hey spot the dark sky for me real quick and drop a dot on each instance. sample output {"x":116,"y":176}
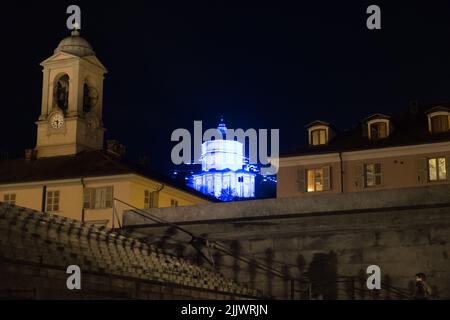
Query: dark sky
{"x":262,"y":65}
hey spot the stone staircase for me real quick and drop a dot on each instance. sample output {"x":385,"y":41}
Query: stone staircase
{"x":29,"y":236}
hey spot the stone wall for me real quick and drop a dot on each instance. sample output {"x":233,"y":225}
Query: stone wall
{"x":36,"y":249}
{"x":37,"y":282}
{"x":322,"y":244}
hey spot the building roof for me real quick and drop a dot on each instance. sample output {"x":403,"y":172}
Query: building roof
{"x":317,"y":123}
{"x":30,"y":237}
{"x":437,"y":108}
{"x":85,"y":164}
{"x":76,"y":45}
{"x":408,"y":128}
{"x":377,"y":116}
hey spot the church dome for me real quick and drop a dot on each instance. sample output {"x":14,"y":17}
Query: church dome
{"x":75,"y":45}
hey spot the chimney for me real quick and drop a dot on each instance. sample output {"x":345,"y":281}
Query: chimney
{"x":414,"y":107}
{"x":115,"y":148}
{"x":30,"y":154}
{"x":144,"y":160}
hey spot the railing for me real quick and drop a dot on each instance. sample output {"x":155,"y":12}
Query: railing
{"x":308,"y":284}
{"x":197,"y":241}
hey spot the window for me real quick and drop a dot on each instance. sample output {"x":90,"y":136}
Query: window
{"x":372,"y":174}
{"x":150,"y":199}
{"x":437,"y":170}
{"x":61,"y":92}
{"x":318,"y":179}
{"x":318,"y":137}
{"x":52,"y":201}
{"x":439,"y":123}
{"x":98,"y":198}
{"x":10,"y":198}
{"x":173,"y":203}
{"x":378,"y":130}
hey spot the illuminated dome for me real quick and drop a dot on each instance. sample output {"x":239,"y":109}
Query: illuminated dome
{"x":224,"y":174}
{"x":75,"y":45}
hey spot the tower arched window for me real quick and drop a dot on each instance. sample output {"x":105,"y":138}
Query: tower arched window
{"x":61,"y":92}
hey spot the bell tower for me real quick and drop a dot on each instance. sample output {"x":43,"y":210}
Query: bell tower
{"x":72,"y":100}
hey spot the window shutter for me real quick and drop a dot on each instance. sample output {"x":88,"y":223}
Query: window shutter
{"x":422,"y":170}
{"x":98,"y":196}
{"x":326,"y":178}
{"x":92,"y":199}
{"x":359,"y":175}
{"x":89,"y":198}
{"x":378,"y":174}
{"x":301,"y":179}
{"x":155,"y":199}
{"x":146,"y":199}
{"x":109,"y":197}
{"x":447,"y":167}
{"x":86,"y":198}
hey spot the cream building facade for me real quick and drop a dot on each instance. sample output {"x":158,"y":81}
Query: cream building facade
{"x":407,"y":150}
{"x":69,"y":173}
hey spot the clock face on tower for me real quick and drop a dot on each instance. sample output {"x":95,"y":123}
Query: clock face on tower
{"x":57,"y":121}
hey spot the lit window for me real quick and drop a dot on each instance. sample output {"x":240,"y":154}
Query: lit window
{"x":52,"y":201}
{"x":98,"y":198}
{"x":318,"y":179}
{"x":372,"y":174}
{"x":437,"y":170}
{"x":439,"y":123}
{"x":10,"y":198}
{"x":173,"y":203}
{"x":318,"y":137}
{"x":378,"y":130}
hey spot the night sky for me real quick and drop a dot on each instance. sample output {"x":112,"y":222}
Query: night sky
{"x":263,"y":65}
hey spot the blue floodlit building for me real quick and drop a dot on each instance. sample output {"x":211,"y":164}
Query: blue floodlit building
{"x":225,"y":173}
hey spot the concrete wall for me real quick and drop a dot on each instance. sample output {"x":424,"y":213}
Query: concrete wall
{"x":326,"y":241}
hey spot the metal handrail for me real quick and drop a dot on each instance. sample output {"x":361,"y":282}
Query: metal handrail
{"x":214,"y":244}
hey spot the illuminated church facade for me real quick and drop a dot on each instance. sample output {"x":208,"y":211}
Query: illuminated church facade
{"x":225,"y":172}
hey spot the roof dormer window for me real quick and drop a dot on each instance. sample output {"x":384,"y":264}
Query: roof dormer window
{"x":438,"y":119}
{"x":318,"y":137}
{"x":378,"y":127}
{"x":378,"y":130}
{"x":319,"y":133}
{"x":439,"y":123}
